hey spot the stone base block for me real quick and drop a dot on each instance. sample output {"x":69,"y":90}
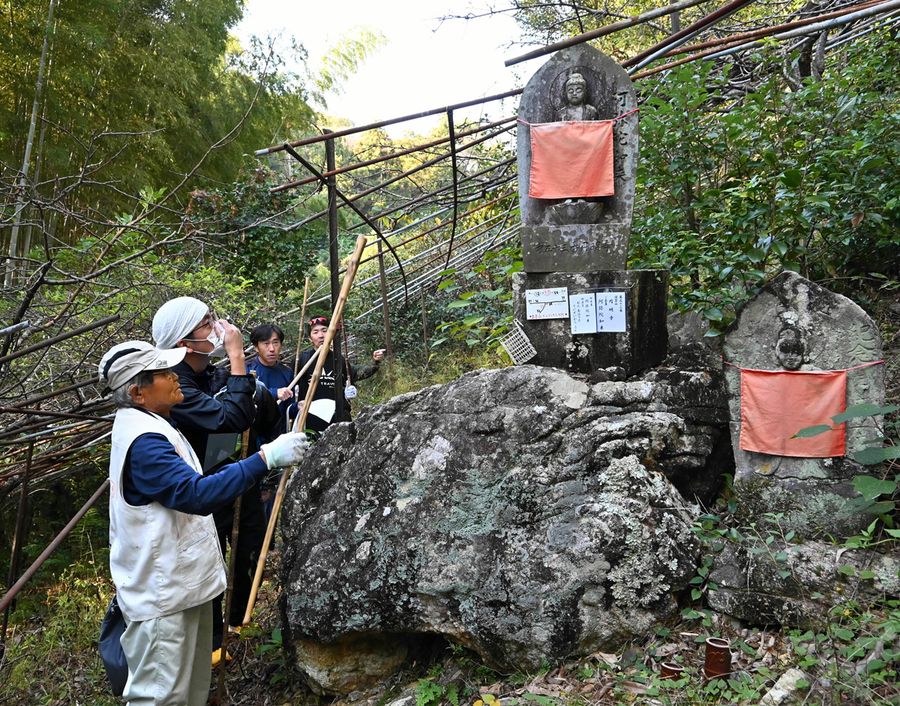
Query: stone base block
{"x":574,"y":247}
{"x":644,"y":343}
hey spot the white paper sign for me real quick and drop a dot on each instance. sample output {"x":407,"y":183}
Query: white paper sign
{"x":550,"y":303}
{"x":583,"y":313}
{"x":611,"y":312}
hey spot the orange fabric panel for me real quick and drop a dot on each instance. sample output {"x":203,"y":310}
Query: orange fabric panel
{"x":776,"y":404}
{"x":571,"y":159}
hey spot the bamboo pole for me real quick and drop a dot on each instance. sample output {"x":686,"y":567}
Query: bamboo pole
{"x":300,"y":373}
{"x":22,"y":178}
{"x":18,"y":541}
{"x":313,"y":383}
{"x":287,"y":412}
{"x":302,"y":323}
{"x":334,"y":267}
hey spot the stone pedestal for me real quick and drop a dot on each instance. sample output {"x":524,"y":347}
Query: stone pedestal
{"x":643,"y":344}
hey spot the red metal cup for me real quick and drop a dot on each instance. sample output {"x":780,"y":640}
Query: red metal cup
{"x":670,"y":670}
{"x":718,"y":658}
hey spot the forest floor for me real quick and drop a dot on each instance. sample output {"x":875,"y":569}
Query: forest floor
{"x":850,"y":659}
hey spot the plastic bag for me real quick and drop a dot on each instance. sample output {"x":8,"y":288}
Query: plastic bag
{"x":111,"y":651}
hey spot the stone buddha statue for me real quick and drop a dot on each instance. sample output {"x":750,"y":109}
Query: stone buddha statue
{"x":574,"y":94}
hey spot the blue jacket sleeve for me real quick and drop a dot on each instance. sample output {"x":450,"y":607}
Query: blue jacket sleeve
{"x":231,"y":410}
{"x":155,"y":472}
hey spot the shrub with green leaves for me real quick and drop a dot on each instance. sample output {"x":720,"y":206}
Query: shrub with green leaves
{"x":734,"y":189}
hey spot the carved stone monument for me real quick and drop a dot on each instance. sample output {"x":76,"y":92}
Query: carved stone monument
{"x":575,"y":301}
{"x":577,"y":235}
{"x":796,"y":325}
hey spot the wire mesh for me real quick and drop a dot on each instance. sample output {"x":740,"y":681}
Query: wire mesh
{"x":517,"y":345}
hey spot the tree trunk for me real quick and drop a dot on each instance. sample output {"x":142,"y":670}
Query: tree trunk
{"x":26,"y":160}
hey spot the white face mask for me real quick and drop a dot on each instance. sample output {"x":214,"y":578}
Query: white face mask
{"x":218,"y":341}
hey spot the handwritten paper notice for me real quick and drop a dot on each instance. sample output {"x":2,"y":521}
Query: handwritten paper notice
{"x":611,"y":312}
{"x":550,"y":303}
{"x":583,"y":313}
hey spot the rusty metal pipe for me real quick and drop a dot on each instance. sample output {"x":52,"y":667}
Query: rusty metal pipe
{"x":603,"y":31}
{"x":391,"y":121}
{"x":475,"y":252}
{"x":382,"y":158}
{"x":809,"y":29}
{"x":52,"y":547}
{"x":765,"y":31}
{"x":398,"y":177}
{"x":680,"y":37}
{"x":422,"y":197}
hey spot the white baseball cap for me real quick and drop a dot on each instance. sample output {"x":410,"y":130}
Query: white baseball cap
{"x":122,"y":362}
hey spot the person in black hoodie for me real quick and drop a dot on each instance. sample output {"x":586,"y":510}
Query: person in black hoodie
{"x":323,"y":407}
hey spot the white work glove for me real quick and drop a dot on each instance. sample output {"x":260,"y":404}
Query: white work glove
{"x":286,"y":450}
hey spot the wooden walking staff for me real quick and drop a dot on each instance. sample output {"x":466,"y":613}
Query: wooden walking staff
{"x":229,"y":585}
{"x":301,"y":424}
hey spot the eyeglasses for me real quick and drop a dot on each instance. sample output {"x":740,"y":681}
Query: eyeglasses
{"x":318,"y":321}
{"x":208,"y":320}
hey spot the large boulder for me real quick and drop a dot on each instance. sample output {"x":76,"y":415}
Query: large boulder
{"x":521,"y":512}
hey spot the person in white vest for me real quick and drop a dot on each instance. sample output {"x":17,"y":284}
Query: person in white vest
{"x":164,"y":555}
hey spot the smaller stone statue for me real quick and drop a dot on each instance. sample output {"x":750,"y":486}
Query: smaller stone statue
{"x":575,"y":93}
{"x":790,"y":347}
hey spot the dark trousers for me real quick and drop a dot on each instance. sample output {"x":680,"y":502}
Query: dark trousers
{"x":251,"y":532}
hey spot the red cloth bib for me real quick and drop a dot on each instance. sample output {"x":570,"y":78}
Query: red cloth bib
{"x":571,"y":159}
{"x":776,"y":404}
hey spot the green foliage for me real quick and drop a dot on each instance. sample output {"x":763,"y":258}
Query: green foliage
{"x":144,"y":89}
{"x":48,"y":660}
{"x":732,"y":193}
{"x":428,"y":693}
{"x":253,"y":230}
{"x":481,"y":311}
{"x":887,"y":450}
{"x":342,"y":59}
{"x":432,"y":690}
{"x":856,"y":650}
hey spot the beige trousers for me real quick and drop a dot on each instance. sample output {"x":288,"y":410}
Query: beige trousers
{"x":168,"y":659}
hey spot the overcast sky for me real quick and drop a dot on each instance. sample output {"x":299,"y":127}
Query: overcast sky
{"x":423,"y":64}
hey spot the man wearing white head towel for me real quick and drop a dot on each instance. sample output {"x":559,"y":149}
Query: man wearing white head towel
{"x":218,"y":406}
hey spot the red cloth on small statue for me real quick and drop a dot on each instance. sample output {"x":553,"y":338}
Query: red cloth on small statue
{"x":776,"y":404}
{"x":571,"y":159}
